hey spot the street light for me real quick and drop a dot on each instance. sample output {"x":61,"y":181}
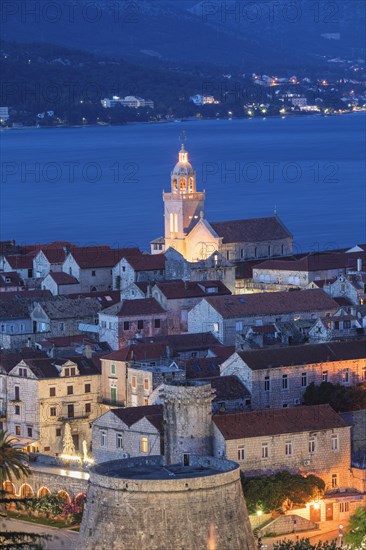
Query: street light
{"x":340,"y":534}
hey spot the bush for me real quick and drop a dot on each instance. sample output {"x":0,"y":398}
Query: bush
{"x":305,"y":544}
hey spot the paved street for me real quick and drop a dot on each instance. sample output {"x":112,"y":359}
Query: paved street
{"x":62,"y":539}
{"x":328,"y":532}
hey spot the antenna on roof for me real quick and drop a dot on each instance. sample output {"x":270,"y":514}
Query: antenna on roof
{"x":275,"y":210}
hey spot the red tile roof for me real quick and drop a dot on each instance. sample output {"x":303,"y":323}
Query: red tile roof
{"x":131,"y":415}
{"x":62,"y":278}
{"x":10,"y":279}
{"x":269,"y":422}
{"x":102,"y":256}
{"x":9,"y":359}
{"x":147,"y":262}
{"x":138,"y":352}
{"x":178,"y":289}
{"x":106,"y":298}
{"x":272,"y":303}
{"x":316,"y":262}
{"x":186,"y":341}
{"x":20,"y":262}
{"x":253,"y":230}
{"x":134,"y":308}
{"x":307,"y":354}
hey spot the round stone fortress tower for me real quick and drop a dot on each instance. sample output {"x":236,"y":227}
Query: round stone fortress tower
{"x":184,"y":500}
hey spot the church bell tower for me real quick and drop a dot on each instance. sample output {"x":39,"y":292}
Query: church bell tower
{"x":183,"y":205}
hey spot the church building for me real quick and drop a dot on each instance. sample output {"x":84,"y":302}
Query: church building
{"x":190,"y":234}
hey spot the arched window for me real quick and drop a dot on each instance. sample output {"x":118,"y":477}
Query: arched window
{"x":26,"y":491}
{"x":9,"y":488}
{"x":191,"y":184}
{"x":43,"y":492}
{"x":183,"y":184}
{"x":64,"y":496}
{"x":175,"y":184}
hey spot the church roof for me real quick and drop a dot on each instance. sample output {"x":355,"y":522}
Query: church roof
{"x":252,"y":230}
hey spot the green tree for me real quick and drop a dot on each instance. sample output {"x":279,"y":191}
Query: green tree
{"x":305,"y":544}
{"x":356,"y":530}
{"x":13,"y":461}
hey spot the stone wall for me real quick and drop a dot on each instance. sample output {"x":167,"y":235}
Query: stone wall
{"x":156,"y":514}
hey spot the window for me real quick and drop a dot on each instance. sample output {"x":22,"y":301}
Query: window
{"x":140,"y":324}
{"x":267,"y":383}
{"x":241,"y":453}
{"x":304,"y":379}
{"x":73,"y":371}
{"x":113,"y":394}
{"x":58,"y":432}
{"x":334,"y":481}
{"x":146,"y":384}
{"x":103,"y":439}
{"x":119,"y":444}
{"x":364,"y":374}
{"x":53,"y":411}
{"x":17,"y":430}
{"x":335,"y":443}
{"x":325,"y":376}
{"x":146,"y":400}
{"x":52,"y":392}
{"x":67,"y":372}
{"x":70,"y":411}
{"x":126,"y":325}
{"x":216,"y":327}
{"x":23,"y":372}
{"x":87,"y":408}
{"x":347,"y":324}
{"x":346,"y":376}
{"x":312,"y":445}
{"x":17,"y":393}
{"x":343,"y":507}
{"x":62,"y":327}
{"x":113,"y":369}
{"x":284,"y":382}
{"x":70,"y":390}
{"x":30,"y":431}
{"x":93,"y":273}
{"x":288,"y":448}
{"x":134,"y":382}
{"x":144,"y":445}
{"x":87,"y":388}
{"x":17,"y":410}
{"x":156,"y":323}
{"x":239,"y":326}
{"x":265,"y":452}
{"x":343,"y":287}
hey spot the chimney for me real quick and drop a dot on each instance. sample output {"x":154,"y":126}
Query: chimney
{"x":67,"y":251}
{"x":148,"y":291}
{"x":359,"y":264}
{"x":88,"y":351}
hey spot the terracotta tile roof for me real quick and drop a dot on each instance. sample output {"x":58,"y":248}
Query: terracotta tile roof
{"x":27,"y":295}
{"x":71,"y":308}
{"x":10,"y":279}
{"x":316,"y":262}
{"x":54,"y":255}
{"x":13,"y":309}
{"x":62,"y":278}
{"x":134,"y":308}
{"x":178,"y":289}
{"x":186,"y":341}
{"x":131,"y":415}
{"x":106,"y":298}
{"x":253,"y":230}
{"x":307,"y":354}
{"x":228,"y":388}
{"x":138,"y":352}
{"x":147,"y":262}
{"x":202,"y":367}
{"x":342,"y":301}
{"x":102,"y":256}
{"x":271,"y":303}
{"x":9,"y":359}
{"x":20,"y":262}
{"x":42,"y":368}
{"x":269,"y":422}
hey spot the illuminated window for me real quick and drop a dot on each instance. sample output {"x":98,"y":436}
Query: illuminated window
{"x":216,"y":327}
{"x":144,"y":445}
{"x":241,"y":453}
{"x":364,"y":373}
{"x":17,"y":430}
{"x":146,"y":384}
{"x":134,"y":382}
{"x":239,"y":326}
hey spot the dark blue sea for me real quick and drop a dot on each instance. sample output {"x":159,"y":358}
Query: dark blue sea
{"x":104,"y":184}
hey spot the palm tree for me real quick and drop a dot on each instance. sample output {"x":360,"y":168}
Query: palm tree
{"x":13,"y":461}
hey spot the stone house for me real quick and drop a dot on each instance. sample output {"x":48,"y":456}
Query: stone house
{"x":304,"y":270}
{"x":351,"y":286}
{"x":63,"y":315}
{"x":136,"y":291}
{"x":178,"y":297}
{"x":128,"y":432}
{"x":278,"y":377}
{"x":93,"y":266}
{"x":45,"y":394}
{"x":187,"y":345}
{"x":116,"y":364}
{"x":123,"y":321}
{"x":213,"y":268}
{"x":15,"y":323}
{"x":143,"y":379}
{"x":49,"y":260}
{"x":134,"y":269}
{"x":339,"y":326}
{"x":306,"y":440}
{"x":20,"y":263}
{"x":227,"y":316}
{"x":60,"y":283}
{"x":10,"y":282}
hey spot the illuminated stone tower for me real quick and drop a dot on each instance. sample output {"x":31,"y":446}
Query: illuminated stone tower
{"x":183,"y":205}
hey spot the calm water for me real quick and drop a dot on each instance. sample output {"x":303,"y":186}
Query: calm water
{"x":104,"y":185}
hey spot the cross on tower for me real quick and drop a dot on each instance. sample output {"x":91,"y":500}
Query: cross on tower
{"x":183,"y":137}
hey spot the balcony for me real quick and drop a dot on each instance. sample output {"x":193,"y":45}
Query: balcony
{"x":83,"y":416}
{"x":110,"y":403}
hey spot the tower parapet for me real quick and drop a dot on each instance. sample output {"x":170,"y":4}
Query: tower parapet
{"x":187,"y":421}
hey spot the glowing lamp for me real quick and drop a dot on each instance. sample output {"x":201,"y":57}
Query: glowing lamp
{"x":259,"y":513}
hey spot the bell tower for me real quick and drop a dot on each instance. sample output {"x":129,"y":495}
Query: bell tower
{"x":183,"y":205}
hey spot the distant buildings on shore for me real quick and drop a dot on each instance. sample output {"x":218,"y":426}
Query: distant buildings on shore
{"x":130,"y":101}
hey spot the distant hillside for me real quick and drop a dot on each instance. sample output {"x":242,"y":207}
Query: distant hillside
{"x":269,"y":34}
